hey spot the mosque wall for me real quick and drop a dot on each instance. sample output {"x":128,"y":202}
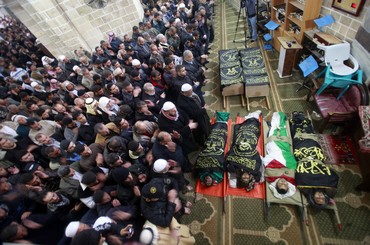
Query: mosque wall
{"x":63,"y":26}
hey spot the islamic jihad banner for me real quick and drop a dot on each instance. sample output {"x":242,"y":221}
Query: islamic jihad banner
{"x":230,"y":68}
{"x":306,"y":146}
{"x":212,"y":156}
{"x":312,"y":173}
{"x":243,"y":153}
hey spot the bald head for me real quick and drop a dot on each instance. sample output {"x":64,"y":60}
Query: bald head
{"x":13,"y":108}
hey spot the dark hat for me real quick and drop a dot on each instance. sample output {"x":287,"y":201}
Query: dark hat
{"x":63,"y":171}
{"x":79,"y":148}
{"x":88,"y":178}
{"x":128,"y":48}
{"x":120,"y":174}
{"x":133,"y":145}
{"x":153,"y":189}
{"x":31,"y":167}
{"x":64,"y":144}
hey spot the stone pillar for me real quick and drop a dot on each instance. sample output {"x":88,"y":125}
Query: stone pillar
{"x":65,"y":25}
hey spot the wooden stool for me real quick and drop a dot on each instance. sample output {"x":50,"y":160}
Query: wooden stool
{"x":262,"y":90}
{"x":234,"y":89}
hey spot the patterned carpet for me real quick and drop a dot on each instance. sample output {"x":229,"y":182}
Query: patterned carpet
{"x":240,"y":221}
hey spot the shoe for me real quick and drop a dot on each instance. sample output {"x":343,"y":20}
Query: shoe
{"x":316,"y":116}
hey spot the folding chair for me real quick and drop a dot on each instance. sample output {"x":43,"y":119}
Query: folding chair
{"x":308,"y":66}
{"x":267,"y":37}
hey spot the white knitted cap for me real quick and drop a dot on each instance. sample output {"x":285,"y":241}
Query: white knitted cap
{"x":72,"y":228}
{"x":168,"y":106}
{"x":102,"y":220}
{"x":185,"y":87}
{"x":160,"y":166}
{"x":136,"y":62}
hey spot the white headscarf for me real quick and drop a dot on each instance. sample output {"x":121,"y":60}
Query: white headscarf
{"x":291,"y":190}
{"x":103,"y":102}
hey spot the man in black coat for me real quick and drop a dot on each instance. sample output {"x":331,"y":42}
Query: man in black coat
{"x":190,"y":102}
{"x":182,"y":78}
{"x":177,"y":123}
{"x":193,"y":68}
{"x":165,"y":148}
{"x":158,"y":202}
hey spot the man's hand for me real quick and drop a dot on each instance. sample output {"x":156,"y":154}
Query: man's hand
{"x":99,"y":160}
{"x":149,"y":103}
{"x":116,"y":203}
{"x":121,"y":215}
{"x":136,"y":92}
{"x":25,"y":215}
{"x":136,"y":190}
{"x":41,"y":174}
{"x":193,"y":125}
{"x":175,"y":134}
{"x":171,"y":146}
{"x":126,"y":231}
{"x":172,"y":195}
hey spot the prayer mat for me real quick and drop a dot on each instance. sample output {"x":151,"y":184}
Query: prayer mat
{"x":338,"y":149}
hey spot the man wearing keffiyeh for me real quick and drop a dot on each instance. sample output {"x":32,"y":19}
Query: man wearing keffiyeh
{"x":177,"y":123}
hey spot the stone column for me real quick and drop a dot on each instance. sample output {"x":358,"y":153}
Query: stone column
{"x":65,"y":25}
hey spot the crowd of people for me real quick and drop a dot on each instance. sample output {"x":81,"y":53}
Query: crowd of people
{"x":95,"y":147}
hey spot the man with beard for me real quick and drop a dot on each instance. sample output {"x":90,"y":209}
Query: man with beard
{"x":105,"y":131}
{"x":84,"y":131}
{"x":193,"y":68}
{"x":182,"y":78}
{"x":91,"y":155}
{"x":130,"y":94}
{"x":153,"y":98}
{"x":165,"y":148}
{"x":190,"y":102}
{"x":178,"y":124}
